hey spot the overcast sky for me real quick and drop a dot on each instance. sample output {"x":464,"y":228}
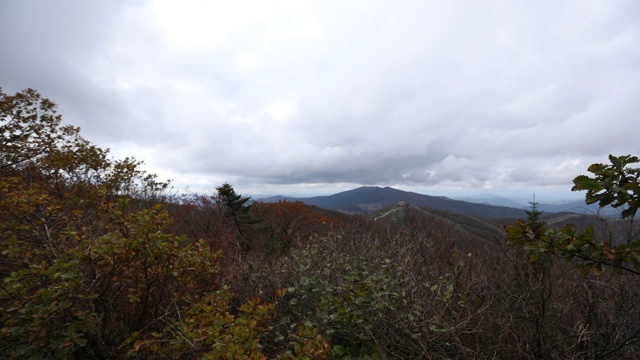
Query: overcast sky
{"x":315,"y":97}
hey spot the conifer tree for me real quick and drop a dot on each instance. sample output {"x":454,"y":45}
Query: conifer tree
{"x":533,"y":219}
{"x":235,"y":207}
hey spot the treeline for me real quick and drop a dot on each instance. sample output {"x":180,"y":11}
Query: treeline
{"x":100,"y":260}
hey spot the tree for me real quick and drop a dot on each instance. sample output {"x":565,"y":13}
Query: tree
{"x":235,"y":207}
{"x":536,"y":278}
{"x":533,"y":218}
{"x":618,"y":185}
{"x":29,"y":127}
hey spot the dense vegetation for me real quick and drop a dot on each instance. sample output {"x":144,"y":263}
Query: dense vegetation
{"x":100,"y":260}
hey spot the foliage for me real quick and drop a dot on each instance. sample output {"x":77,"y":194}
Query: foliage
{"x":30,"y":128}
{"x":46,"y":313}
{"x":307,"y":343}
{"x":287,"y":222}
{"x":615,"y":185}
{"x":206,"y":330}
{"x":530,"y":232}
{"x":369,"y":305}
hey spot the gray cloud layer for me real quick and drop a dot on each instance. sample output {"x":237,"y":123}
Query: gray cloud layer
{"x":303,"y":95}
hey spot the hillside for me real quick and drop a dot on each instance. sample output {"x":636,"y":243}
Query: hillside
{"x":470,"y":228}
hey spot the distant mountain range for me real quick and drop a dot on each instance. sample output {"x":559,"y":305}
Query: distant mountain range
{"x":369,"y":199}
{"x":472,"y":220}
{"x":574,"y":206}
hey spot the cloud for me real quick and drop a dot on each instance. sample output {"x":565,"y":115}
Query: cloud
{"x":309,"y":95}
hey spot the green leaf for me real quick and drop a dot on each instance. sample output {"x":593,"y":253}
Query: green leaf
{"x":615,"y":161}
{"x":583,"y":182}
{"x":595,"y":168}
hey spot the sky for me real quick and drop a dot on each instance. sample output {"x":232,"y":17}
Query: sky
{"x":302,"y":98}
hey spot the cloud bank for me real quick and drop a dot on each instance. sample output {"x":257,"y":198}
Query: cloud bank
{"x":312,"y":96}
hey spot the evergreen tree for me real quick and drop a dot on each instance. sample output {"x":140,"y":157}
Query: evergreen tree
{"x":235,"y":207}
{"x":533,"y":219}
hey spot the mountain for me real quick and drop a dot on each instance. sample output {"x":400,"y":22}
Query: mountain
{"x":580,"y":207}
{"x":497,"y":201}
{"x":573,"y":206}
{"x":368,"y":199}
